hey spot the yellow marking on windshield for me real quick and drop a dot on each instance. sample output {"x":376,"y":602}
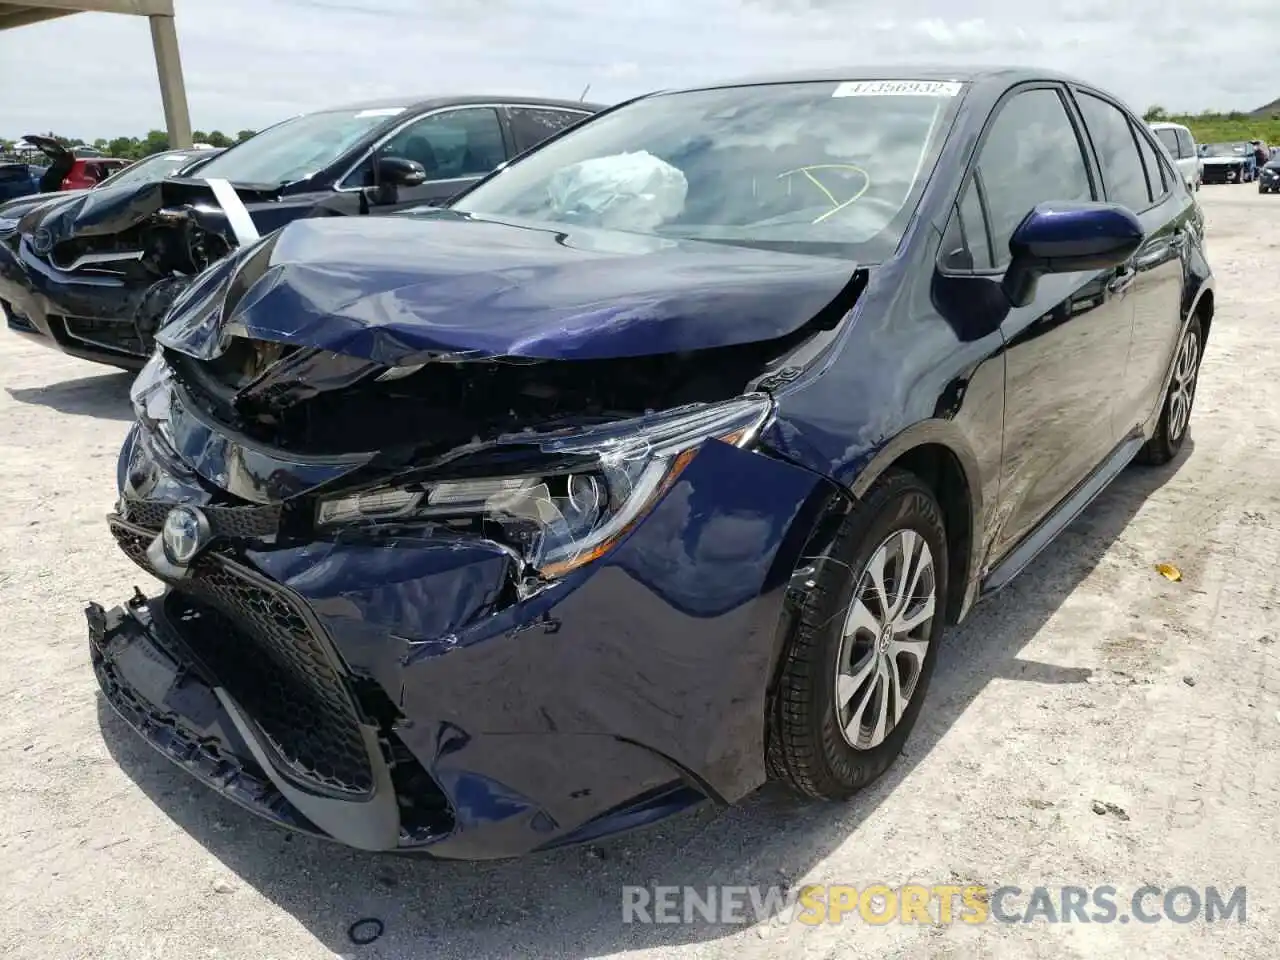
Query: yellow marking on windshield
{"x":836,"y":205}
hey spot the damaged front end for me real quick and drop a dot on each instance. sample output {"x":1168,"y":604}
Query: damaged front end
{"x":97,"y":272}
{"x":475,"y":601}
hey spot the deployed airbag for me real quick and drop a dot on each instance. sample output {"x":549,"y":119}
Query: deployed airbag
{"x":626,"y":191}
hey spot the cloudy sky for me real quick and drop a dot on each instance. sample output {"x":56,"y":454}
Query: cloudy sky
{"x":251,"y":62}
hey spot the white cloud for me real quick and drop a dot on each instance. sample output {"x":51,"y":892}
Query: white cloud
{"x":251,"y":62}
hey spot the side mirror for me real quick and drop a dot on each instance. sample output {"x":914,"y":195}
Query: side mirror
{"x":389,"y":175}
{"x":1067,"y":238}
{"x":399,"y":172}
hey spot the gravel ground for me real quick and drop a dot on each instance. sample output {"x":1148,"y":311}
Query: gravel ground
{"x":1090,"y":682}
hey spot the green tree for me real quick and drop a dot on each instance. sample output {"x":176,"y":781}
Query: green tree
{"x":124,"y":147}
{"x":218,"y":139}
{"x":244,"y":135}
{"x":1155,"y":114}
{"x":199,"y":136}
{"x":156,"y":141}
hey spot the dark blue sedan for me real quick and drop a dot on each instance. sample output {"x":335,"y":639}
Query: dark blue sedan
{"x":653,"y":467}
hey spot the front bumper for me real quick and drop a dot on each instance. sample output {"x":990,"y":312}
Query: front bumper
{"x":156,"y":689}
{"x":91,"y":321}
{"x":390,"y":695}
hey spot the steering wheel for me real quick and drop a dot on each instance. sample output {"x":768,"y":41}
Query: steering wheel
{"x":808,"y":171}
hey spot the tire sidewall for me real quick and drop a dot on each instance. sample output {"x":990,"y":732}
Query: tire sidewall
{"x":1170,"y":446}
{"x":910,"y":506}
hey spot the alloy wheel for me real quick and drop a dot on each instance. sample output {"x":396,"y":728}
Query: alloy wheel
{"x":886,"y":639}
{"x":1182,"y":389}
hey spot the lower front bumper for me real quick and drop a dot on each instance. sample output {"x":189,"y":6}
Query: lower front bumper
{"x":157,"y":691}
{"x":154,"y":683}
{"x":94,"y":323}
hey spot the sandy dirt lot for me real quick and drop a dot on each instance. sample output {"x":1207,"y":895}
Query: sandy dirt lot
{"x":1090,"y":682}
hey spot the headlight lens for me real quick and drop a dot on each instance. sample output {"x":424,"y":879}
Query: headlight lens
{"x":560,"y":520}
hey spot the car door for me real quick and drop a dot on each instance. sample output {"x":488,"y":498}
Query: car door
{"x":456,"y":146}
{"x":531,"y":125}
{"x":1065,"y":351}
{"x":1133,"y":175}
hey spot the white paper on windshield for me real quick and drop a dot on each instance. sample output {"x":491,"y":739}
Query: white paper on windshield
{"x":237,"y":216}
{"x":898,"y":88}
{"x":381,"y":112}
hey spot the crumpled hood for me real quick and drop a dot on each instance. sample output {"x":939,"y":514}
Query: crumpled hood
{"x":111,"y":209}
{"x":18,"y":208}
{"x":405,"y":289}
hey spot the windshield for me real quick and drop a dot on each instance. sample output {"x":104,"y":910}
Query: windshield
{"x":150,"y":169}
{"x":826,"y":168}
{"x":297,"y":148}
{"x":1170,"y":140}
{"x":1226,"y":149}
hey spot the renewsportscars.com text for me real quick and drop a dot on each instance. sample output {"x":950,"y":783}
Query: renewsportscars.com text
{"x":932,"y":904}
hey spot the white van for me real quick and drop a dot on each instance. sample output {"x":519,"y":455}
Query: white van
{"x":1184,"y":150}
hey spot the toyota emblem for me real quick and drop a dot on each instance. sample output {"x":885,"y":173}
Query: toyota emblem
{"x":185,"y":534}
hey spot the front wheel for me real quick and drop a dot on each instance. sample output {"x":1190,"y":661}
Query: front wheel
{"x":1175,"y":415}
{"x":855,"y":672}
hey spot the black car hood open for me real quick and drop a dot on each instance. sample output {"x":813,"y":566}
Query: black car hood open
{"x":406,"y":289}
{"x":50,"y":147}
{"x":112,"y":209}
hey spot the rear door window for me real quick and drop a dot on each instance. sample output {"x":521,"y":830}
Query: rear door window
{"x":531,"y":126}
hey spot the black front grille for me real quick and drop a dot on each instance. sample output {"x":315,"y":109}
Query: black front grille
{"x":249,"y":522}
{"x":257,"y":642}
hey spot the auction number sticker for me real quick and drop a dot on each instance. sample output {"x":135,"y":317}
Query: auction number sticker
{"x":898,"y":88}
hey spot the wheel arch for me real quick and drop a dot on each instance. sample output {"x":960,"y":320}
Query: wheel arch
{"x":937,"y":452}
{"x":1202,"y":308}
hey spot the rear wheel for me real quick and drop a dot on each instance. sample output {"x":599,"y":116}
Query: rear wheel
{"x":1175,"y":415}
{"x":855,"y":672}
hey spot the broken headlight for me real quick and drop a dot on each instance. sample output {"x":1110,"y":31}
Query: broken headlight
{"x":560,"y":519}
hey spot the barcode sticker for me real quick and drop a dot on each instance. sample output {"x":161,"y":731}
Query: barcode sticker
{"x":898,"y":88}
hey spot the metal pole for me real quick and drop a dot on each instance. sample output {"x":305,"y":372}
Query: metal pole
{"x":164,"y":40}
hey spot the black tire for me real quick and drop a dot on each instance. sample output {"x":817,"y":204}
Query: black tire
{"x":1167,"y":439}
{"x":806,"y":744}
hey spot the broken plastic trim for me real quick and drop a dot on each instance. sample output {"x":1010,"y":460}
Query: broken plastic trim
{"x":565,"y":517}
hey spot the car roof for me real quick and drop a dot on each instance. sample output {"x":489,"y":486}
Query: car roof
{"x":996,"y":74}
{"x":431,"y":103}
